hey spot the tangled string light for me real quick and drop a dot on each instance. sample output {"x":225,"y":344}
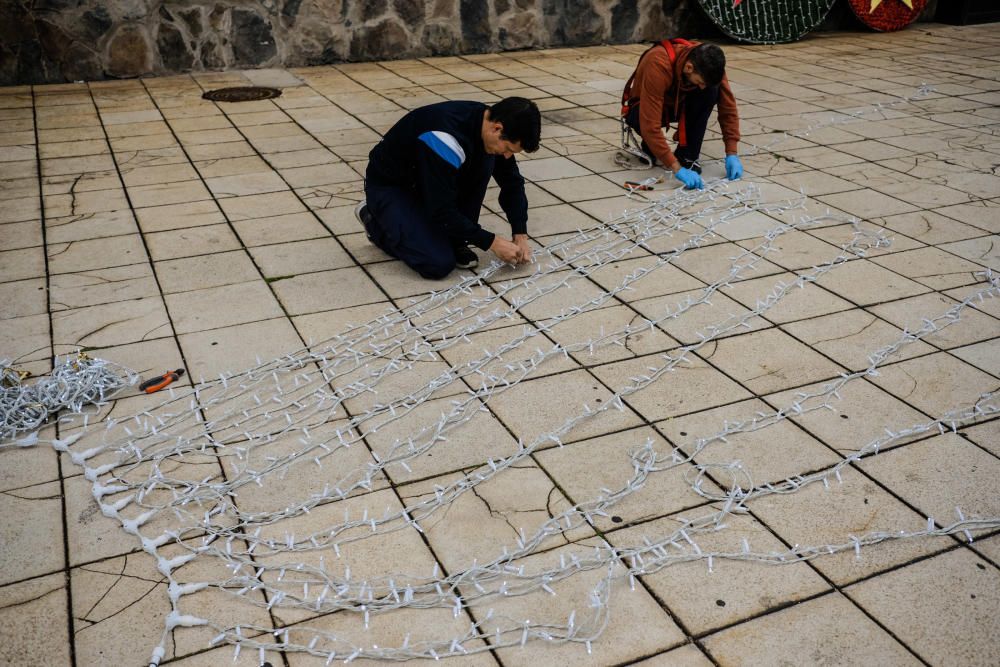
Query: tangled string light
{"x":309,"y":408}
{"x":76,"y":381}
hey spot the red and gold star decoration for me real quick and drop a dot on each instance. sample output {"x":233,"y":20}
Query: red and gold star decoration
{"x":887,"y":15}
{"x":876,"y":3}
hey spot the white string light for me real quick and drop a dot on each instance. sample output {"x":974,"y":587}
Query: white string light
{"x":293,"y":411}
{"x":76,"y":381}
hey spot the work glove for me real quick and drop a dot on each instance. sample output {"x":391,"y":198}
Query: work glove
{"x":690,"y":179}
{"x":734,"y":168}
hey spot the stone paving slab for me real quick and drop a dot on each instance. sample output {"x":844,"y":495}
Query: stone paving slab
{"x":156,"y":229}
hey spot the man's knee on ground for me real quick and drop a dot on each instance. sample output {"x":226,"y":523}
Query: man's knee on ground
{"x":436,"y":270}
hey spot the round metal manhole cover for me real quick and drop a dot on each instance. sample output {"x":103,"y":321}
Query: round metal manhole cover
{"x":242,"y":94}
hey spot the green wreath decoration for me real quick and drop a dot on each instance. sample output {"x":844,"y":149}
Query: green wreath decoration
{"x":767,"y":21}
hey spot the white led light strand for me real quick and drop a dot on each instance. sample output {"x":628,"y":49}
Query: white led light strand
{"x":159,"y":472}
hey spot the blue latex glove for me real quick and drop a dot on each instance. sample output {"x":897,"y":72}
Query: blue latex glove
{"x":690,"y":179}
{"x":734,"y":168}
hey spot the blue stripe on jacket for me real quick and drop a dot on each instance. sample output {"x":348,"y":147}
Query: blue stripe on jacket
{"x":446,"y":152}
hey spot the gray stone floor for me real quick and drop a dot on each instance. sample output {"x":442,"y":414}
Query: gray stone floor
{"x":157,"y":230}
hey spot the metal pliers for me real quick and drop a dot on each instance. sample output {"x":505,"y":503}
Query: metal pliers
{"x":161,"y":381}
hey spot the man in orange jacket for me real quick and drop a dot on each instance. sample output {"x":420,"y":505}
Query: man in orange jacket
{"x":680,"y":82}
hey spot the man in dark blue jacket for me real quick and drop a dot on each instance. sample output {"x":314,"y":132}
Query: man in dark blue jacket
{"x":427,"y":179}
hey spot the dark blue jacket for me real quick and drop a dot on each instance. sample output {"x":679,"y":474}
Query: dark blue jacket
{"x":437,"y":152}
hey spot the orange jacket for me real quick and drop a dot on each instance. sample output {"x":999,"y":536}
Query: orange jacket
{"x":659,"y":86}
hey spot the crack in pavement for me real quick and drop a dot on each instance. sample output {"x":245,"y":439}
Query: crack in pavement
{"x":14,"y":495}
{"x":68,"y":245}
{"x":913,"y":380}
{"x":715,"y":348}
{"x":764,"y":375}
{"x":989,"y":250}
{"x":71,"y":220}
{"x":102,"y":279}
{"x":79,"y":341}
{"x":492,"y":511}
{"x":848,"y":335}
{"x":113,"y":584}
{"x":72,"y":194}
{"x":116,"y":613}
{"x":30,"y":600}
{"x":158,"y":326}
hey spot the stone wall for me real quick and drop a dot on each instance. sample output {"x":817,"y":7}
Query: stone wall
{"x":49,"y":41}
{"x":67,"y":40}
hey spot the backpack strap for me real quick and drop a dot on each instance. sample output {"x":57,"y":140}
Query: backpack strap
{"x":626,"y":100}
{"x":668,"y":45}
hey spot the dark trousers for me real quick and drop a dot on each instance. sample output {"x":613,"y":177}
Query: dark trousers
{"x":401,"y":227}
{"x":696,"y":106}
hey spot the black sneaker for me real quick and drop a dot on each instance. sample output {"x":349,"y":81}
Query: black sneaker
{"x":465,"y":258}
{"x":364,"y":216}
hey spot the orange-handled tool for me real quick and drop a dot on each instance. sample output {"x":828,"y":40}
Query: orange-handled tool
{"x":161,"y":381}
{"x":635,"y":185}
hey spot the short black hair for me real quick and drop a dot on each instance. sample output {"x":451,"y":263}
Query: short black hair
{"x":710,"y":62}
{"x":521,"y":120}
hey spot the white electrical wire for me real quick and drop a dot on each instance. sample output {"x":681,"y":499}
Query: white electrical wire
{"x":76,"y":381}
{"x":311,"y":406}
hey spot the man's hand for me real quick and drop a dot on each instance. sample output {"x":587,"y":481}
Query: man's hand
{"x":521,"y":240}
{"x":691,"y":179}
{"x":734,"y":168}
{"x":507,"y":251}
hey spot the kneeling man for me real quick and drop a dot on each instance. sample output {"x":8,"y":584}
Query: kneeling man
{"x":680,"y":82}
{"x":427,"y":178}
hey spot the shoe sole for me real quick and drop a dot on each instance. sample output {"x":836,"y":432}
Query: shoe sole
{"x":357,"y":214}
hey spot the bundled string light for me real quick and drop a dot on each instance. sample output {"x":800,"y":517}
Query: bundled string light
{"x":311,"y":406}
{"x":75,"y":382}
